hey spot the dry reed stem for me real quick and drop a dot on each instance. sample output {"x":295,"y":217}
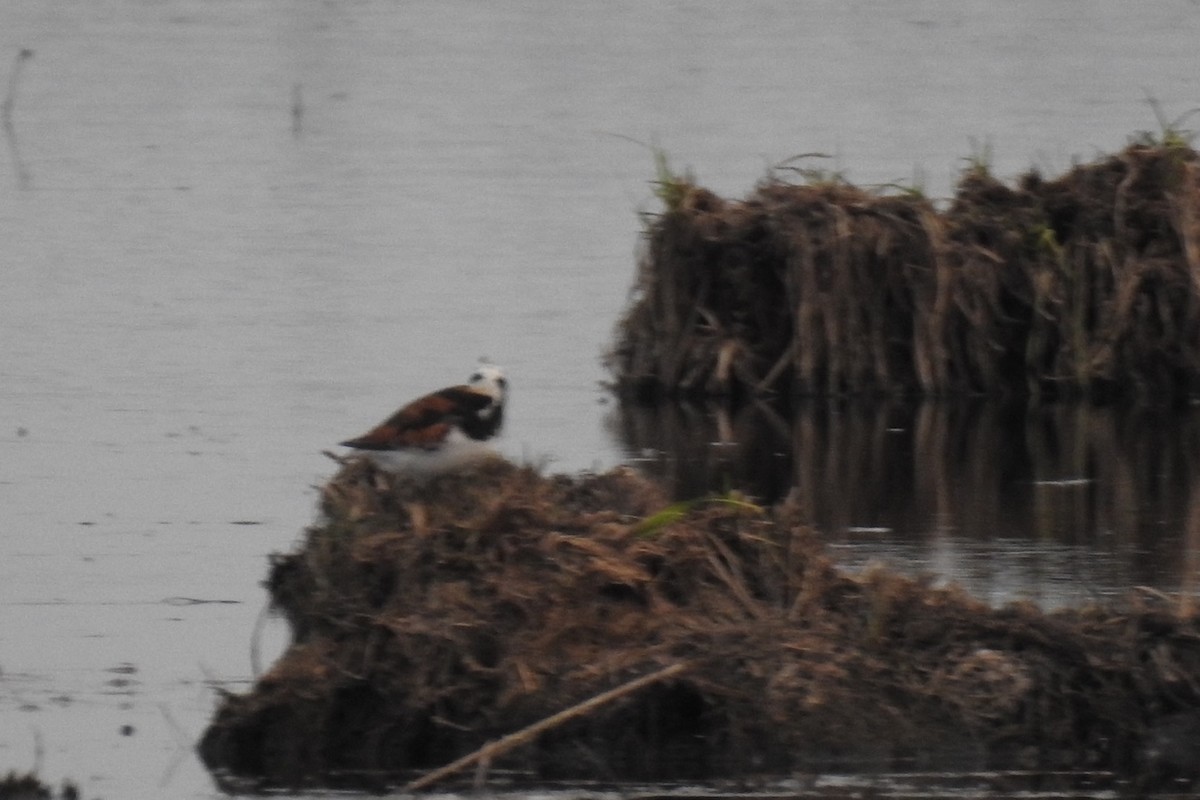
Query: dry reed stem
{"x":492,"y":750}
{"x":1085,"y":285}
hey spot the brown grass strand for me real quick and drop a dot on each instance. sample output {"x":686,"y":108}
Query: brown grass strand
{"x":1084,"y":285}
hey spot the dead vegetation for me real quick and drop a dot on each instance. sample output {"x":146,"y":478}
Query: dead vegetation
{"x":28,"y":786}
{"x":1086,"y":285}
{"x":432,"y":619}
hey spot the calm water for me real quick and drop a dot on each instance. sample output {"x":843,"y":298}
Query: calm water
{"x":235,"y":232}
{"x":1061,"y":506}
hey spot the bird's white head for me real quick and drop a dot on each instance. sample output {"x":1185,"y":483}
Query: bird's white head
{"x":490,"y":380}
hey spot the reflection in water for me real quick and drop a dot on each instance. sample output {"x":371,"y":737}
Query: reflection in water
{"x":1059,"y":504}
{"x":6,"y":118}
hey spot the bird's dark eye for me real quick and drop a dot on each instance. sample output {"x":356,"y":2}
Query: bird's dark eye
{"x":478,"y":376}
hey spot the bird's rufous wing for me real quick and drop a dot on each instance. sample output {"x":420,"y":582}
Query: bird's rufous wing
{"x":425,"y":422}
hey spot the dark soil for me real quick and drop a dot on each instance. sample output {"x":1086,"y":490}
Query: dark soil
{"x":27,"y":786}
{"x":433,"y":618}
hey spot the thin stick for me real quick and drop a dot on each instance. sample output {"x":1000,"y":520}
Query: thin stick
{"x":255,"y":638}
{"x":297,"y":109}
{"x":505,"y":743}
{"x":785,"y":360}
{"x":14,"y":78}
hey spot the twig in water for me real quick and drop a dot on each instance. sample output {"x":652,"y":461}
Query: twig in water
{"x":183,"y":746}
{"x":14,"y":79}
{"x":255,"y":638}
{"x":297,"y":109}
{"x":182,"y":740}
{"x":6,"y":109}
{"x":491,"y":750}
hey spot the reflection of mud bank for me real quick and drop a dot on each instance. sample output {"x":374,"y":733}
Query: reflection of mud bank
{"x":1087,"y":284}
{"x":432,"y":620}
{"x":1060,"y":473}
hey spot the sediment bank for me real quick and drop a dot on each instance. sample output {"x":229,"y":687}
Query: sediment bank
{"x":431,"y":619}
{"x":1083,"y":285}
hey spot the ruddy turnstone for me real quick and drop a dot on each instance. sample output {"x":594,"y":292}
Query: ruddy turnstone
{"x":443,"y":430}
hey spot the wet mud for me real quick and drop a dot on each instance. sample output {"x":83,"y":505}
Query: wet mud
{"x":431,"y":619}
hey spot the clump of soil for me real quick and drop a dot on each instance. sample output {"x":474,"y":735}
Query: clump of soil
{"x":1087,"y":285}
{"x":27,"y":786}
{"x":432,"y":618}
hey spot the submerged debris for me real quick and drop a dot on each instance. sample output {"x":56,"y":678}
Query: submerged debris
{"x":432,"y":618}
{"x":27,"y":786}
{"x":1085,"y":285}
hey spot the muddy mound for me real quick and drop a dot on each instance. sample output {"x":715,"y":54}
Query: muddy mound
{"x":432,"y":619}
{"x":1087,"y":285}
{"x":28,"y":786}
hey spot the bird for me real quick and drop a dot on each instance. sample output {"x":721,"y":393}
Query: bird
{"x":441,"y":431}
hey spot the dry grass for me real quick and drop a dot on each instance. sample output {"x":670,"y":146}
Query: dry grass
{"x":1085,"y":285}
{"x":431,"y":619}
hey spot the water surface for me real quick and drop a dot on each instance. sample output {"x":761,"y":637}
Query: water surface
{"x":237,"y":231}
{"x":1061,"y":505}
